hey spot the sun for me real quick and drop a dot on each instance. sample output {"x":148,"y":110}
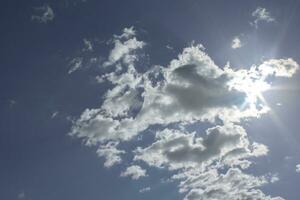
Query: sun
{"x":250,"y":83}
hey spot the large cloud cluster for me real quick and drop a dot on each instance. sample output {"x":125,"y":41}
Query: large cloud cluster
{"x":192,"y":89}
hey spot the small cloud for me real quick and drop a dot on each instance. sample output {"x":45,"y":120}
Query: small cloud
{"x":135,"y":172}
{"x":87,"y":45}
{"x":236,"y":43}
{"x":75,"y":63}
{"x":125,"y":46}
{"x":288,"y":157}
{"x":21,"y":195}
{"x":12,"y":103}
{"x":146,"y":189}
{"x":169,"y":47}
{"x":273,"y":178}
{"x":44,"y":14}
{"x":99,"y":79}
{"x":54,"y":114}
{"x":261,"y":15}
{"x":127,"y":33}
{"x":278,"y":104}
{"x":298,"y":168}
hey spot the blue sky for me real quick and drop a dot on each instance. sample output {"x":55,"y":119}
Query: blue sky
{"x":184,"y":100}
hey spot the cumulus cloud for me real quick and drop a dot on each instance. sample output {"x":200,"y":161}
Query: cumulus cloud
{"x":44,"y":14}
{"x":212,"y":185}
{"x":176,"y":149}
{"x":190,"y":90}
{"x":236,"y":43}
{"x":124,"y":47}
{"x":298,"y":168}
{"x":261,"y":15}
{"x":111,"y":154}
{"x":135,"y":172}
{"x":279,"y":67}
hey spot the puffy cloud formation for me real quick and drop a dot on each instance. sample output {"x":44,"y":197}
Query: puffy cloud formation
{"x":176,"y":149}
{"x":279,"y":67}
{"x":236,"y":43}
{"x":110,"y":153}
{"x":298,"y":168}
{"x":44,"y":14}
{"x":124,"y":47}
{"x":234,"y":184}
{"x":260,"y":15}
{"x":190,"y":90}
{"x":135,"y":172}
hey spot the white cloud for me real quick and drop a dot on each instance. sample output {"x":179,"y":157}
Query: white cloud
{"x":260,"y":15}
{"x":279,"y":67}
{"x":54,"y":114}
{"x":135,"y":172}
{"x":212,"y":185}
{"x":45,"y":14}
{"x":75,"y":64}
{"x":111,"y":154}
{"x":145,"y":189}
{"x":176,"y":149}
{"x":190,"y":90}
{"x":88,"y":46}
{"x":124,"y":47}
{"x":298,"y":168}
{"x":127,"y":33}
{"x":274,"y":178}
{"x":236,"y":43}
{"x":169,"y":47}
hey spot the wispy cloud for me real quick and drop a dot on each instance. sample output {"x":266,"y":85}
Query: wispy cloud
{"x":88,"y":46}
{"x":21,"y":195}
{"x":261,"y":15}
{"x":54,"y":114}
{"x":43,"y":14}
{"x":75,"y":64}
{"x":145,"y":189}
